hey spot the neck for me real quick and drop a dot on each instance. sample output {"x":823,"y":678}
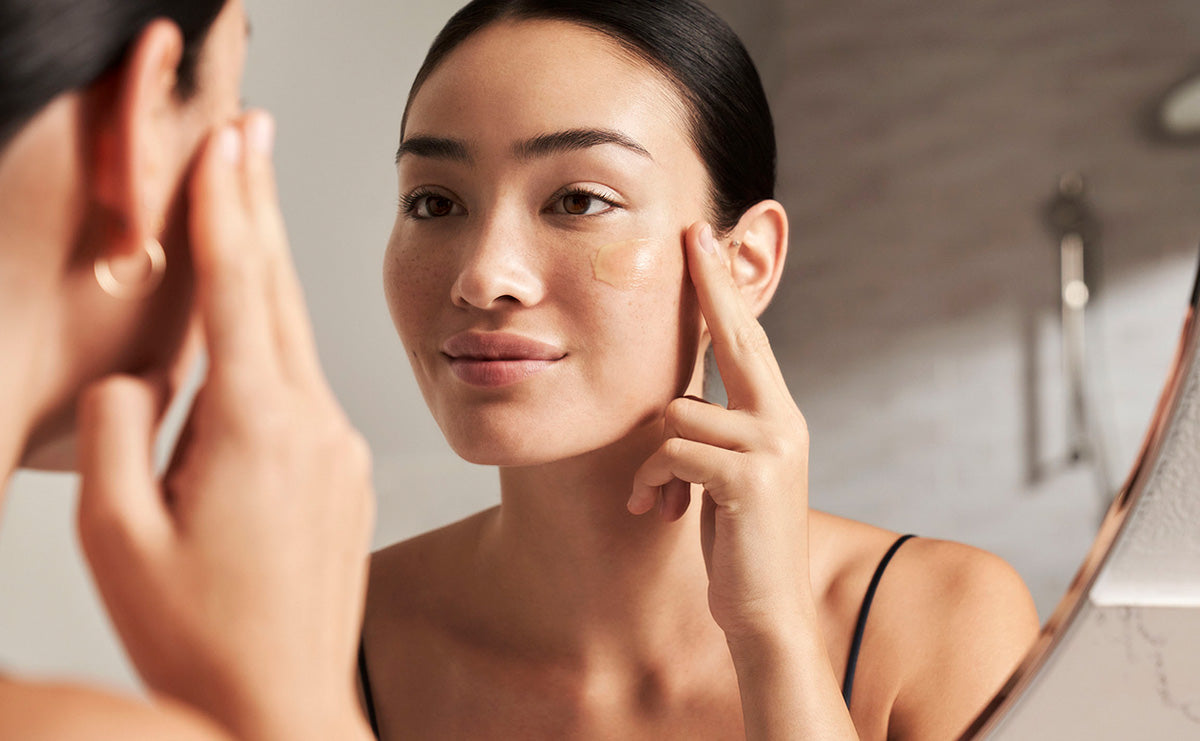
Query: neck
{"x":584,"y":574}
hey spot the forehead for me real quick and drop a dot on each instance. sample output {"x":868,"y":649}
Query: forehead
{"x":518,"y":79}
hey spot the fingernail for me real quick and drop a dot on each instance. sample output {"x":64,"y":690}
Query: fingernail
{"x":230,"y":144}
{"x":707,"y":240}
{"x":261,"y":134}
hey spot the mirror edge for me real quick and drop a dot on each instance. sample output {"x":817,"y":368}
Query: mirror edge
{"x":1109,"y":533}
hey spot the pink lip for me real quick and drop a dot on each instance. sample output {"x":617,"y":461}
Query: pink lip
{"x":493,"y":359}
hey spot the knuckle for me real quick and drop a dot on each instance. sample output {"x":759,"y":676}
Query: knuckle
{"x":678,"y":410}
{"x":358,"y":452}
{"x":674,"y":447}
{"x":801,"y":433}
{"x":268,"y":426}
{"x":756,"y":476}
{"x":776,"y":444}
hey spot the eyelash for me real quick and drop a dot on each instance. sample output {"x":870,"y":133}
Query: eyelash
{"x":581,"y":191}
{"x":411,"y":202}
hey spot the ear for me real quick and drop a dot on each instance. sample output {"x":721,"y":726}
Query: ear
{"x":136,"y":137}
{"x":756,"y":251}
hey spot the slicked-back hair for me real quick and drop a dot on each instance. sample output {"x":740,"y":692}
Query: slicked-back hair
{"x":731,"y":125}
{"x":49,"y":47}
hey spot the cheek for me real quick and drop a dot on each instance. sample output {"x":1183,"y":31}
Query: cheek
{"x":646,"y":304}
{"x":628,"y":265}
{"x":412,"y":285}
{"x":645,"y":274}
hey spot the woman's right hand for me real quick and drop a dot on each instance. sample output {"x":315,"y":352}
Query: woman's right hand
{"x":237,"y":581}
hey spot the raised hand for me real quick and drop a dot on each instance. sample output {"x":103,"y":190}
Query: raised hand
{"x":751,"y":461}
{"x":237,"y":581}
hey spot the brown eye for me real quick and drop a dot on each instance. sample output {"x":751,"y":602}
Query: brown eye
{"x":577,"y":204}
{"x":438,"y":206}
{"x":582,"y":203}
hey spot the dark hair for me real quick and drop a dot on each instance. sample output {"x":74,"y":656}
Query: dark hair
{"x":48,"y":47}
{"x":730,"y":119}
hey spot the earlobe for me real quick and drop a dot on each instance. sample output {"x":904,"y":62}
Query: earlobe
{"x":758,"y":251}
{"x":135,"y":121}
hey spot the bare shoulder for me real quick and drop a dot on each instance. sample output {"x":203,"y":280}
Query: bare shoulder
{"x":64,"y":712}
{"x":417,"y":573}
{"x":948,"y":624}
{"x":419,"y":608}
{"x":968,"y":619}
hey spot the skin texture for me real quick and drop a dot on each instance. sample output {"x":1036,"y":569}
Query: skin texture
{"x":236,"y":579}
{"x":582,"y":607}
{"x":627,"y":264}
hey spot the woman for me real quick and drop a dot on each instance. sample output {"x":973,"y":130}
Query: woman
{"x":586,"y":204}
{"x":128,"y":177}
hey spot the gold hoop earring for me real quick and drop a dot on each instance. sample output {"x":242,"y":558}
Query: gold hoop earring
{"x":131,"y":291}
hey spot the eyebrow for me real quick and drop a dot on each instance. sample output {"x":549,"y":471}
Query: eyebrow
{"x":434,"y":147}
{"x":545,"y":145}
{"x":574,"y":140}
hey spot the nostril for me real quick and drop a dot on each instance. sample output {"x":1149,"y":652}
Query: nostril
{"x":496,"y":278}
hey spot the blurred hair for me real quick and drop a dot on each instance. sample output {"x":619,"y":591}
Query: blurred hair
{"x":731,"y":124}
{"x":49,"y":47}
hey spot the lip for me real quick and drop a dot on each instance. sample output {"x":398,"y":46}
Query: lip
{"x":494,"y":359}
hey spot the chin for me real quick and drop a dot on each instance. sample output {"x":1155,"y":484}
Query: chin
{"x":484,"y":449}
{"x":512,"y":441}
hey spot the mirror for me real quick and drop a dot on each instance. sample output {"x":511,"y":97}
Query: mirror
{"x":1110,"y":662}
{"x":955,"y":173}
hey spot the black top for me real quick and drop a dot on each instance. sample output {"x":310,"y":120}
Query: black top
{"x":860,"y":628}
{"x":851,"y":663}
{"x":365,"y":679}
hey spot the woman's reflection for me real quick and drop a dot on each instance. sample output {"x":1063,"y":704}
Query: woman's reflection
{"x":128,"y":177}
{"x":553,"y":279}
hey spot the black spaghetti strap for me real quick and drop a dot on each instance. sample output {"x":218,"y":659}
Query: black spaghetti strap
{"x":860,"y":628}
{"x":365,"y":679}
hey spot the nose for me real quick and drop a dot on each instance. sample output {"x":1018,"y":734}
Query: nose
{"x":499,"y":269}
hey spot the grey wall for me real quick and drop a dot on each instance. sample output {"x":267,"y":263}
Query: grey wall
{"x":918,"y":141}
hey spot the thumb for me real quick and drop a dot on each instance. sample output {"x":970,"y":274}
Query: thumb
{"x":121,"y":510}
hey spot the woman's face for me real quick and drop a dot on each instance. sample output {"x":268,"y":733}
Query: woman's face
{"x":536,"y":270}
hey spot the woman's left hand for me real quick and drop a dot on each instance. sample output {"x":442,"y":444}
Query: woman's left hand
{"x":752,"y":460}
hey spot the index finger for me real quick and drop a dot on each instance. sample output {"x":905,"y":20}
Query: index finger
{"x":743,"y":353}
{"x":296,"y":345}
{"x":230,"y":267}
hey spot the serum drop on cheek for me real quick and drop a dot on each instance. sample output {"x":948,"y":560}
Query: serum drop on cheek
{"x":625,"y":265}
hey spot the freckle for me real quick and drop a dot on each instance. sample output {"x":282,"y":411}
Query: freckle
{"x":625,"y":265}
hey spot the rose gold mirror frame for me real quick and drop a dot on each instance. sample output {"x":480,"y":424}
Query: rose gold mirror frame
{"x":1052,"y":638}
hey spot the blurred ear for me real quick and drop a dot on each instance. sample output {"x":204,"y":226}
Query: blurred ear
{"x":136,"y":137}
{"x":757,"y":262}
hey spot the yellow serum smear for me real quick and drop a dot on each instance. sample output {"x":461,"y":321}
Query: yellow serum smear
{"x":626,"y":264}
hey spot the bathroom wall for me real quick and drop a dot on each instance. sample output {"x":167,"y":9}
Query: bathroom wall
{"x":920,"y":142}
